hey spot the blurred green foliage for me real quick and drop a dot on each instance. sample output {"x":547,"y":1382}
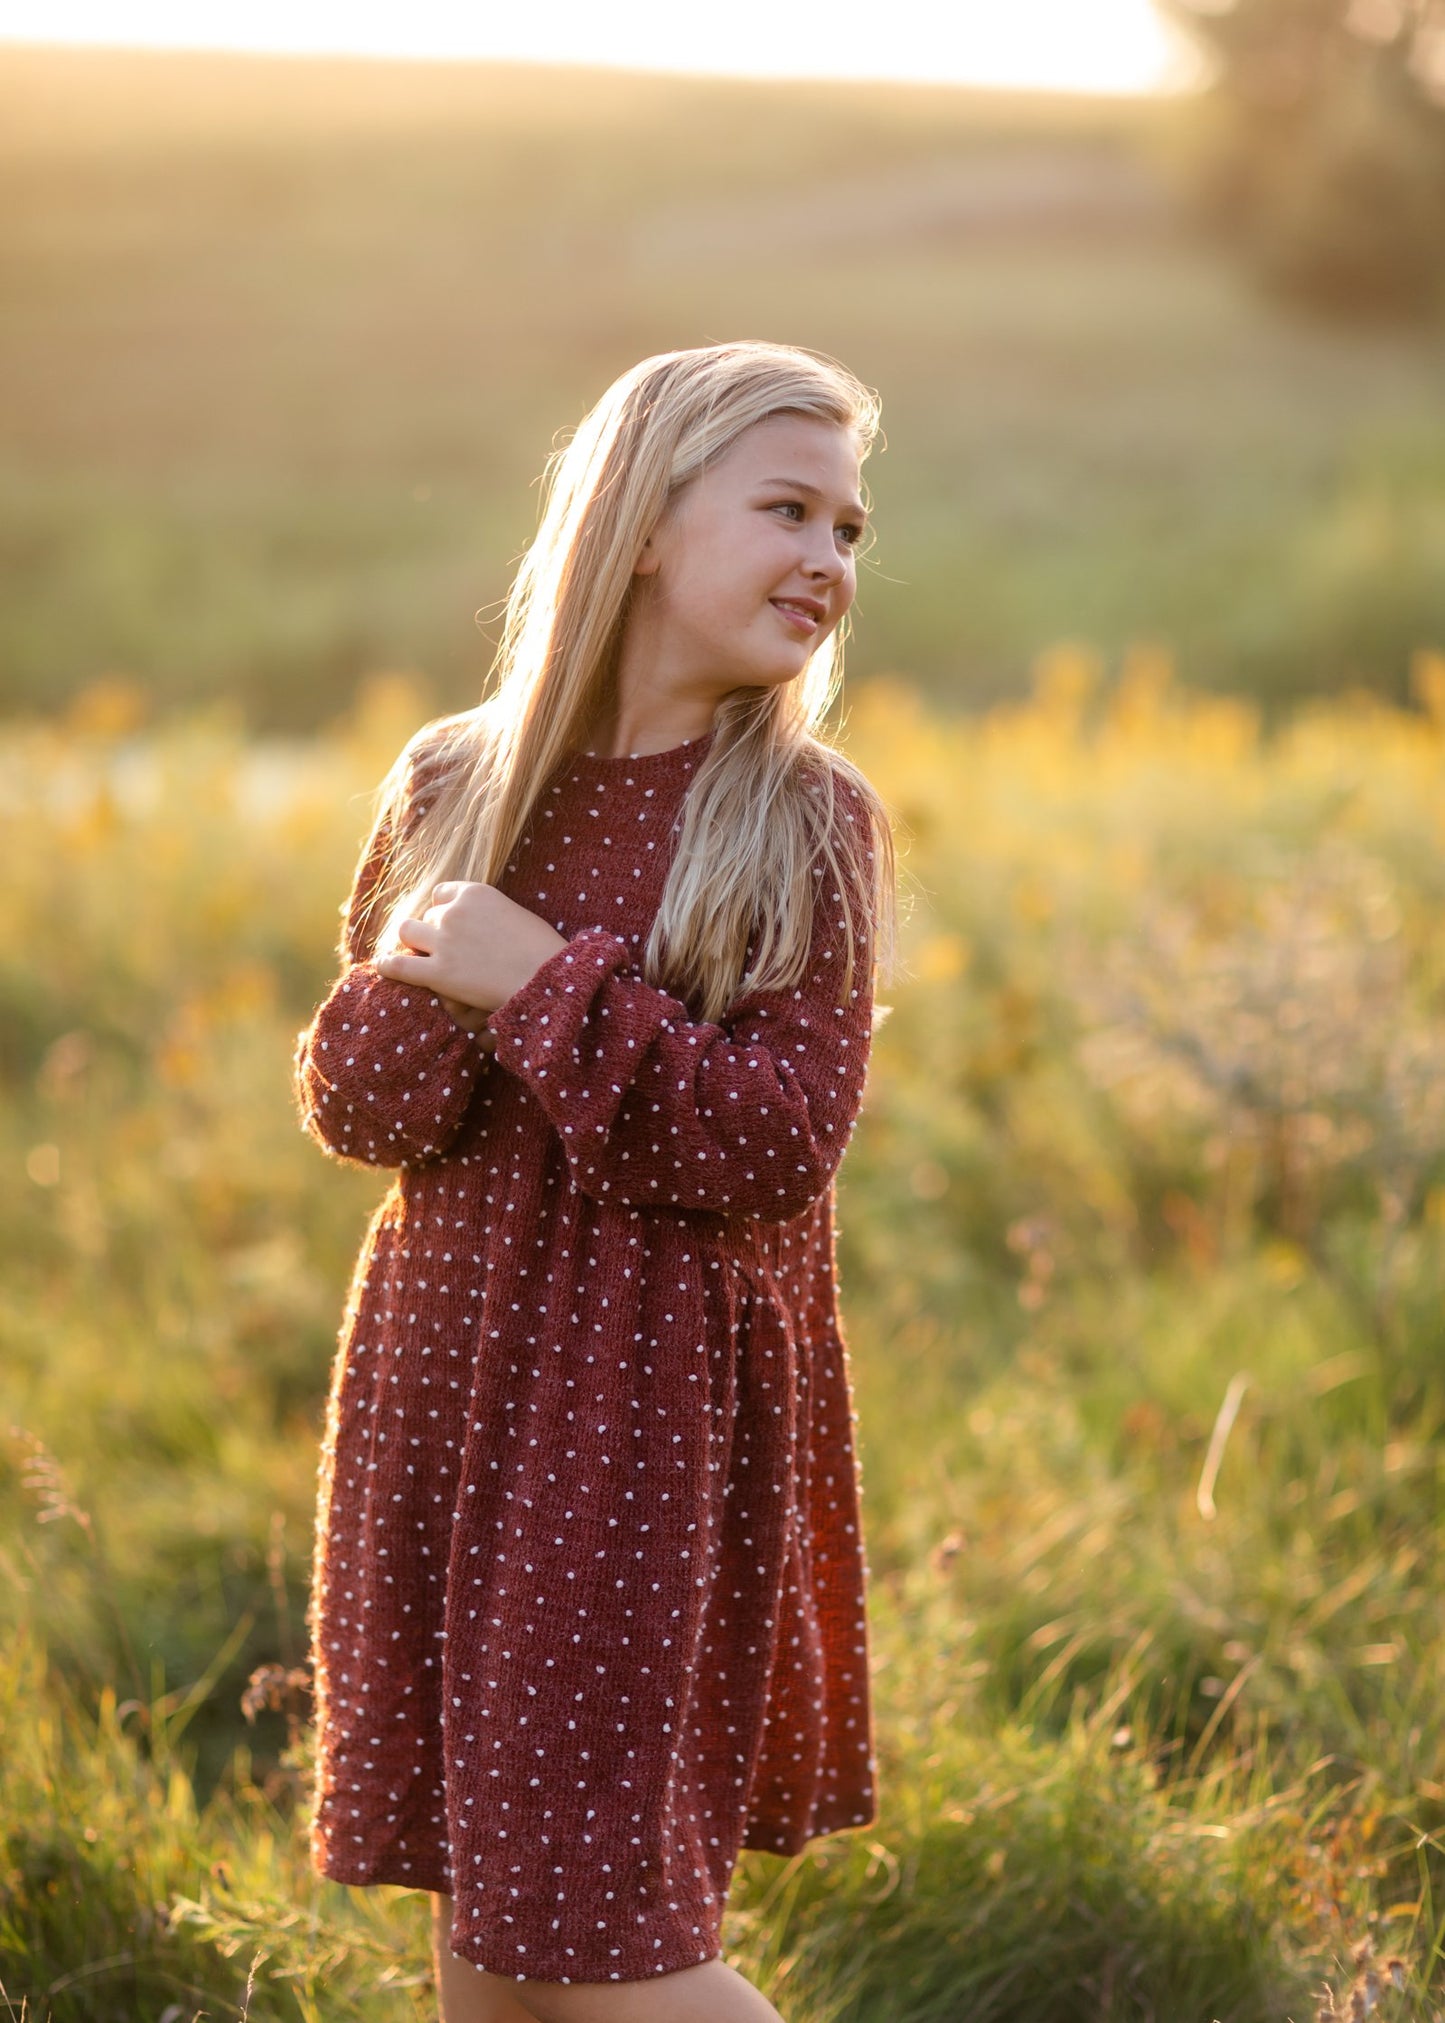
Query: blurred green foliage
{"x":286,"y":343}
{"x":1321,"y":147}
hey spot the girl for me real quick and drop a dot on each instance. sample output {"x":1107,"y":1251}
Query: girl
{"x":588,"y":1611}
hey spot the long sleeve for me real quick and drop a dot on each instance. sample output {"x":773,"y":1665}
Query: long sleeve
{"x":383,"y":1074}
{"x":749,"y":1117}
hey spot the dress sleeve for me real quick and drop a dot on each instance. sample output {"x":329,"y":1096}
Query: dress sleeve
{"x":383,"y":1075}
{"x":749,"y":1117}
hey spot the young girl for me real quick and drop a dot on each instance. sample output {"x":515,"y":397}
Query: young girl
{"x":588,"y":1613}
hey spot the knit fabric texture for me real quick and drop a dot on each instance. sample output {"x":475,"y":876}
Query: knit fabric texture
{"x":588,"y":1603}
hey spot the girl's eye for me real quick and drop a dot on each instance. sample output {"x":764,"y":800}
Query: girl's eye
{"x":850,"y":534}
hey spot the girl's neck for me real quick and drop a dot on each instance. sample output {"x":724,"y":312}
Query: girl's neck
{"x":624,"y":732}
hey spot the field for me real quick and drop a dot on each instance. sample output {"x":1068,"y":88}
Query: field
{"x":1143,"y":1257}
{"x":1143,"y":1228}
{"x":286,"y":344}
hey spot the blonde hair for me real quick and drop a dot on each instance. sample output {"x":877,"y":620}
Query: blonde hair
{"x":761,"y":809}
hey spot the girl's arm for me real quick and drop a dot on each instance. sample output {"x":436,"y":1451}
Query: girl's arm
{"x":749,"y":1117}
{"x":383,"y":1074}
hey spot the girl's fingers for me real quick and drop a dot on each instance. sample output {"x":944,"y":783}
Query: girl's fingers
{"x":468,"y":1015}
{"x":401,"y":967}
{"x":419,"y":934}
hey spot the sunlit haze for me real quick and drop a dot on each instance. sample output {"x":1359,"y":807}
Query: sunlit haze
{"x":1069,"y":45}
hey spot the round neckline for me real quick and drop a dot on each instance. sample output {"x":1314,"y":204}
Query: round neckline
{"x":582,"y":760}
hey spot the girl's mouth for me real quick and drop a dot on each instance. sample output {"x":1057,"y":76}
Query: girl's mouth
{"x":803,"y":613}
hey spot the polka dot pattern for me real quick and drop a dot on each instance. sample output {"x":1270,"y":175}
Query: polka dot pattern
{"x":588,"y":1609}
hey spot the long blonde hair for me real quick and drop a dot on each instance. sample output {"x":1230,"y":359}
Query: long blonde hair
{"x":761,"y":812}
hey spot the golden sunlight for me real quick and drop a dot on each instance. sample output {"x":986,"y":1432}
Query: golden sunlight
{"x":1067,"y":45}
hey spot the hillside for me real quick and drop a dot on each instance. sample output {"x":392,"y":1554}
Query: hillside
{"x":286,"y":342}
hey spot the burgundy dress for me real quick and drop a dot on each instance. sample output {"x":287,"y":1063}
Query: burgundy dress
{"x":588,"y":1611}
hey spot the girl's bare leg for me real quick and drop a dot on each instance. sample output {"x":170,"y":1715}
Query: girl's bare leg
{"x":464,"y":1992}
{"x":712,"y":1993}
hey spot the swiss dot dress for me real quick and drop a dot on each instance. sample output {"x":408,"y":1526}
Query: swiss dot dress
{"x":588,"y":1608}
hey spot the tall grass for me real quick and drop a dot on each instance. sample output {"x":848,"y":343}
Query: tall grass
{"x":1143,"y":1252}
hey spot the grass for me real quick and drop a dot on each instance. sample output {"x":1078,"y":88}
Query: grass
{"x":290,"y":340}
{"x":1143,"y":1288}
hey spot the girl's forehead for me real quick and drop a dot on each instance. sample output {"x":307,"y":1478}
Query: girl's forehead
{"x":800,"y":430}
{"x":795,"y":445}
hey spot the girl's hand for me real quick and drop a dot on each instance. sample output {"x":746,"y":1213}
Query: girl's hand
{"x":472,"y":946}
{"x":473,"y":1021}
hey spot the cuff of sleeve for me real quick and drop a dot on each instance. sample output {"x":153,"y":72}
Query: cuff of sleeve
{"x":528,"y":1025}
{"x":420,"y":1012}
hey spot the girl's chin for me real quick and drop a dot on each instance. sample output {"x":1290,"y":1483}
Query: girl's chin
{"x":787,"y":663}
{"x":768,"y":669}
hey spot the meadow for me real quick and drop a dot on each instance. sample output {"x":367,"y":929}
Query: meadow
{"x":1142,"y":1253}
{"x":286,"y":343}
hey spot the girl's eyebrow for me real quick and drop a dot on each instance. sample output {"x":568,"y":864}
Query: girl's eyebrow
{"x":858,"y":510}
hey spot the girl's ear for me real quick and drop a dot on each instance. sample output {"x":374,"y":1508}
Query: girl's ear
{"x":647,"y":557}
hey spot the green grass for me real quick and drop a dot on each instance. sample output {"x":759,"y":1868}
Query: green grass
{"x":1145,"y":1752}
{"x":288,"y":342}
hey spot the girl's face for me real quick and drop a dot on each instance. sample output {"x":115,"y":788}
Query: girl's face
{"x":755,"y":562}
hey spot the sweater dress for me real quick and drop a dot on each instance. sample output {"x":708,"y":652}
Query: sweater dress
{"x":588,"y":1603}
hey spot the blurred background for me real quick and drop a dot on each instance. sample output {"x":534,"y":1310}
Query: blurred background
{"x":286,"y":339}
{"x":1142,"y":1232}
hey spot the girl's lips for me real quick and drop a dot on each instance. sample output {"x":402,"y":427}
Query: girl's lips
{"x":806,"y":616}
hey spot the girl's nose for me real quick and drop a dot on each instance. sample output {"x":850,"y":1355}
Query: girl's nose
{"x":826,"y":562}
